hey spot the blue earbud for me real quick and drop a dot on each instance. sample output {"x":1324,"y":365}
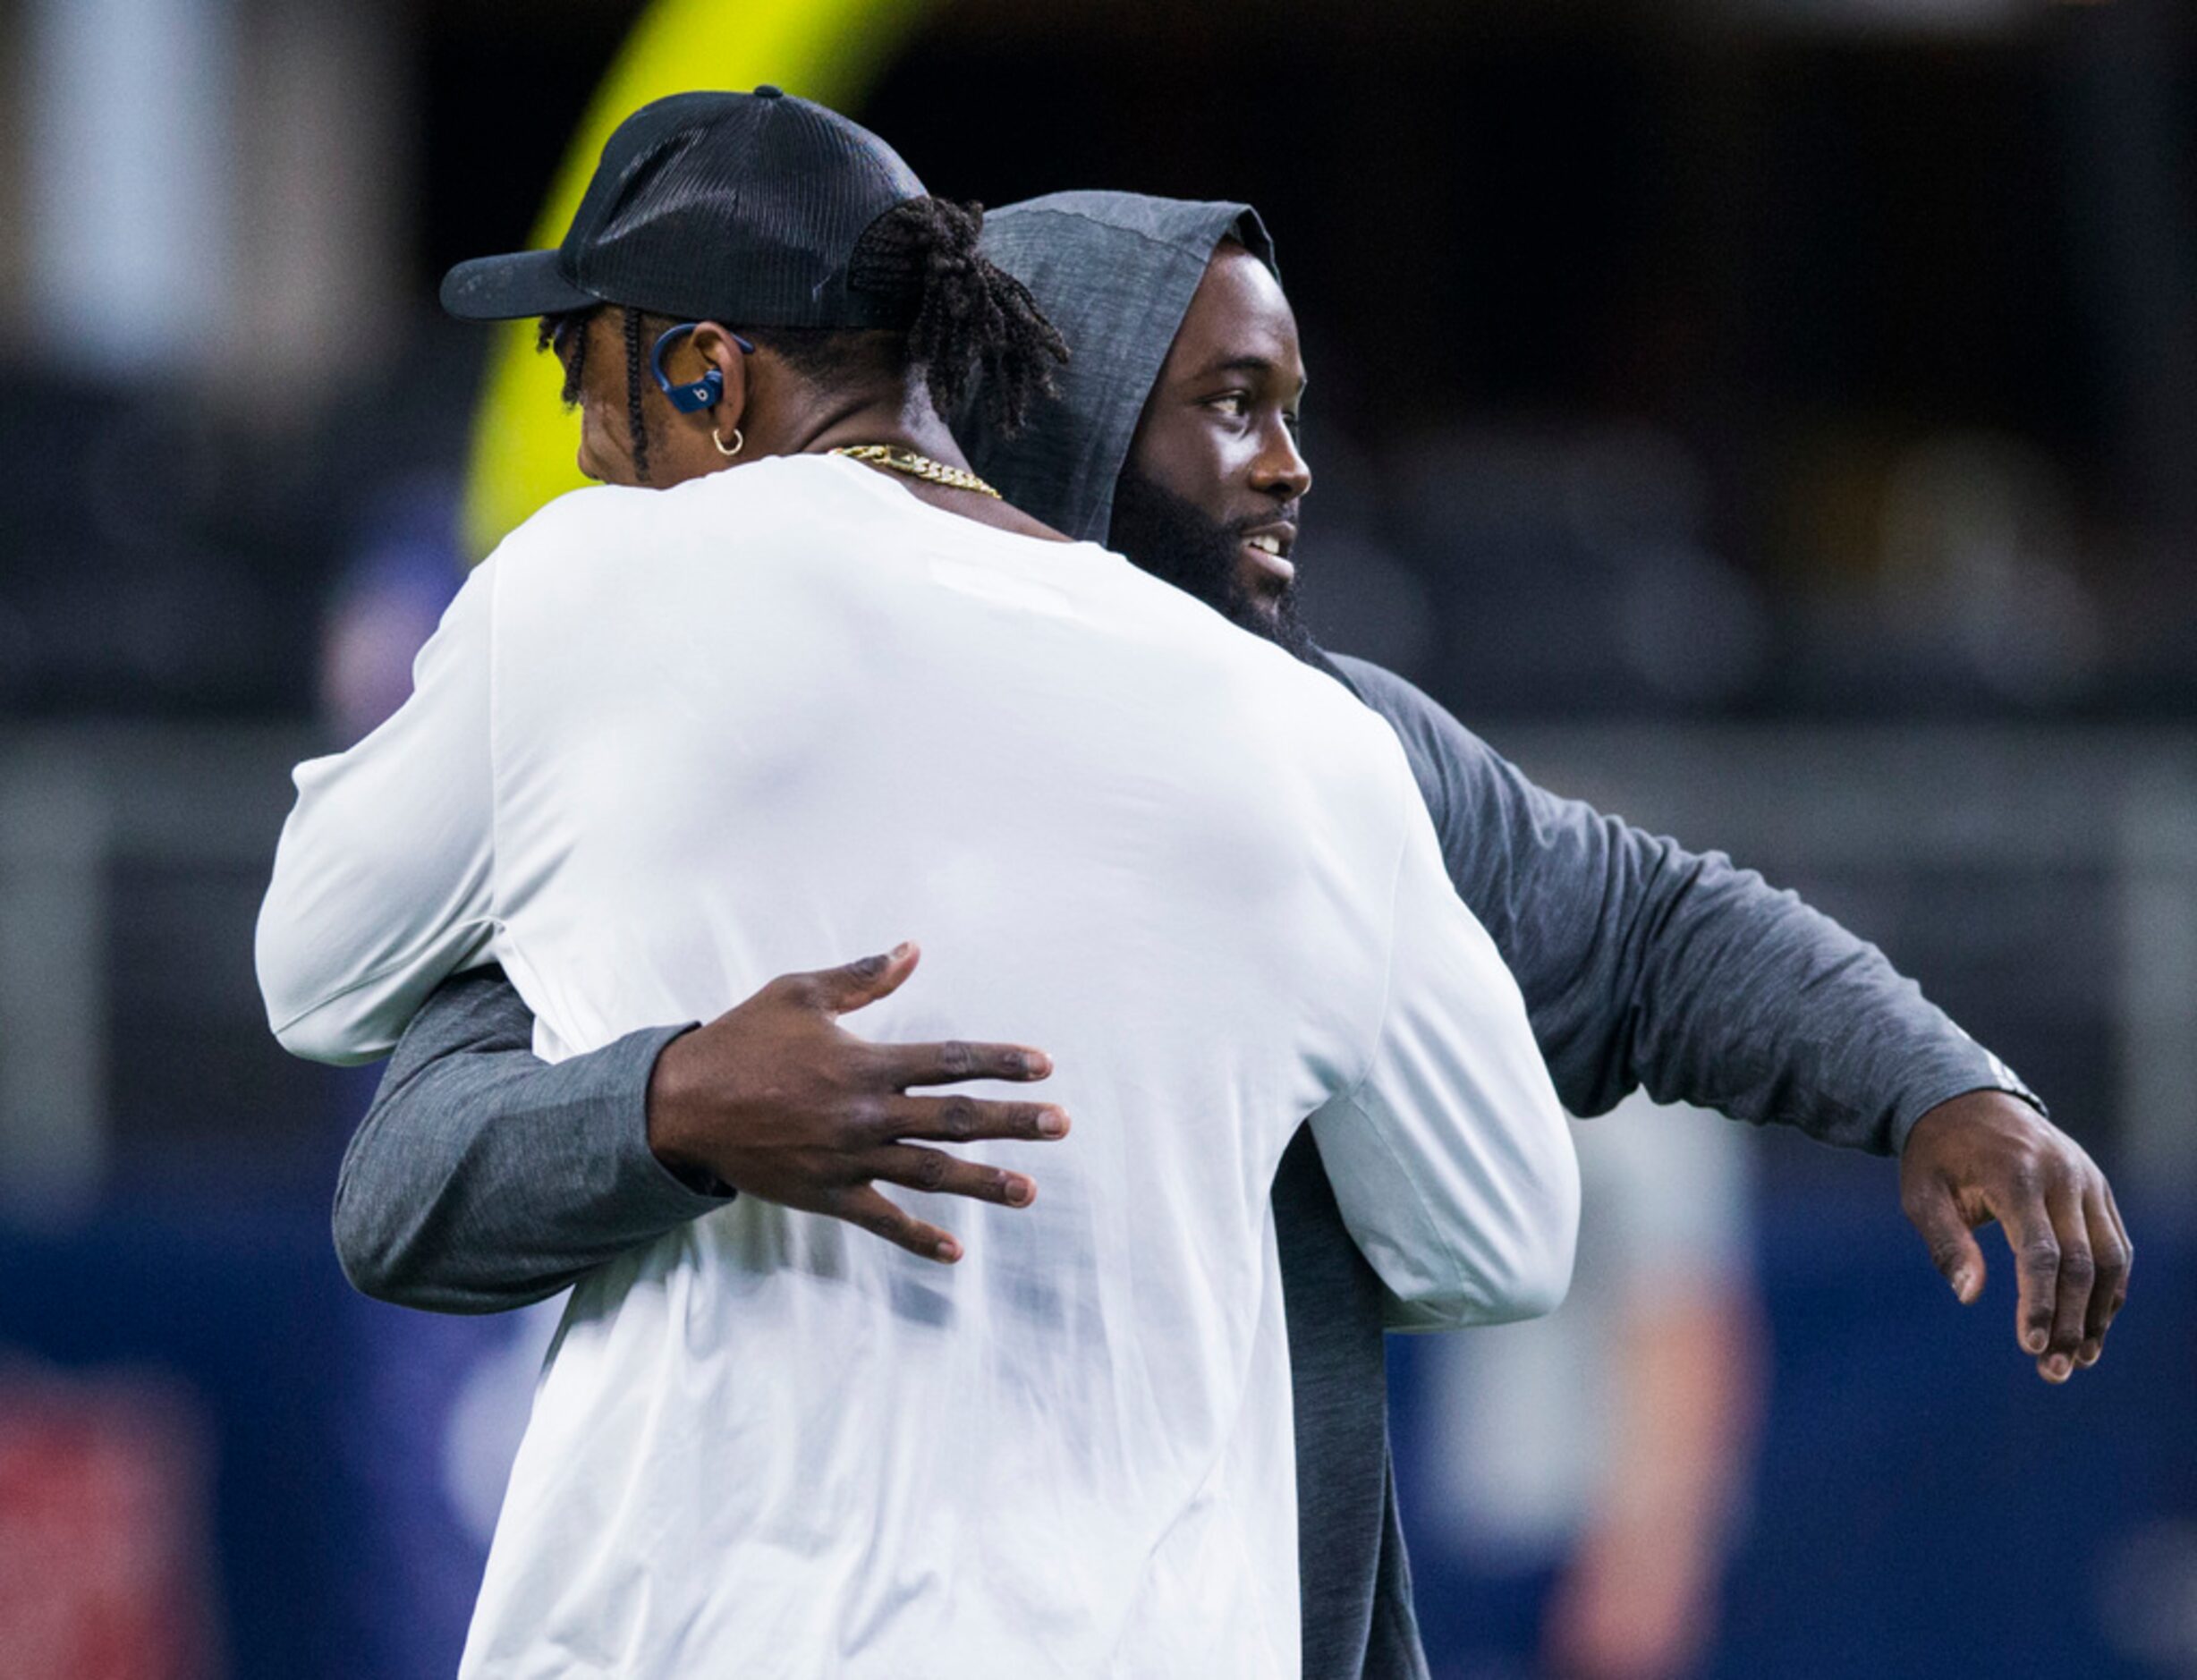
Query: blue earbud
{"x":688,"y":399}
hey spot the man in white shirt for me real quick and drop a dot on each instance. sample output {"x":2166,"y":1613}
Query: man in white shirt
{"x":669,"y":744}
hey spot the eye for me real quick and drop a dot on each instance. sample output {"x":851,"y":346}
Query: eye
{"x":1295,"y":421}
{"x":1235,"y":404}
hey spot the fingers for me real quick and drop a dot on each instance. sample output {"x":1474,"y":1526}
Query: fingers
{"x":950,"y":1062}
{"x":852,"y":985}
{"x":2120,"y":1229}
{"x":1983,"y":1157}
{"x":934,"y":1170}
{"x":2114,"y":1255}
{"x":2127,"y":1254}
{"x":2077,"y":1273}
{"x":968,"y":1119}
{"x":864,"y":1207}
{"x":1933,"y":1211}
{"x":2028,"y":1224}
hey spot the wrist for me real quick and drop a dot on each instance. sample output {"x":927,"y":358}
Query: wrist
{"x":1970,"y":1101}
{"x":669,"y":1112}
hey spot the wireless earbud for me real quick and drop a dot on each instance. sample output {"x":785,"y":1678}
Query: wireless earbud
{"x":688,"y":399}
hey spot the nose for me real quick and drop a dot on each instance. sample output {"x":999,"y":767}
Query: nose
{"x":1281,"y":471}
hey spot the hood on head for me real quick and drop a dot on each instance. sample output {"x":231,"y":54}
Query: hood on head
{"x":1115,"y":272}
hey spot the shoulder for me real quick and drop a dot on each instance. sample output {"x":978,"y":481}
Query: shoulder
{"x":1405,"y":705}
{"x":572,"y":522}
{"x":1341,"y":756}
{"x":583,"y":553}
{"x":1307,"y":701}
{"x":587,"y":521}
{"x":1446,"y":758}
{"x":1313,"y":750}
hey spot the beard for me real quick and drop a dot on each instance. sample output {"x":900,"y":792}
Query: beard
{"x":1174,"y":541}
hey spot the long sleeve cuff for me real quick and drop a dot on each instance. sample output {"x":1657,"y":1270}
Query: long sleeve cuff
{"x":620,"y":1079}
{"x":483,"y":1179}
{"x":1967,"y":1068}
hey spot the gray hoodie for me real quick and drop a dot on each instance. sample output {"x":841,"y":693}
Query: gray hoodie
{"x":481,"y":1179}
{"x":1115,"y":272}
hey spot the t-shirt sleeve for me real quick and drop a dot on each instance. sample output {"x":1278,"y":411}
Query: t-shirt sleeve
{"x":382,"y":877}
{"x":1646,"y":966}
{"x":1450,"y":1158}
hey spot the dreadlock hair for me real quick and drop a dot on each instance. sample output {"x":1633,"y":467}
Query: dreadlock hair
{"x":972,"y":328}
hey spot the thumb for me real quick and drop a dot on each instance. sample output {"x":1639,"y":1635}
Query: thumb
{"x":1933,"y":1211}
{"x":852,"y":985}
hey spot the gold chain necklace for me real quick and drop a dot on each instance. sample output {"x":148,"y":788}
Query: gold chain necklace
{"x":894,"y":458}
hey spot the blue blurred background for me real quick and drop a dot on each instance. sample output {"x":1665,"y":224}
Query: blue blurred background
{"x":1773,"y":420}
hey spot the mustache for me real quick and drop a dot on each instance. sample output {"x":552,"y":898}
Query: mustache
{"x":1244,"y":524}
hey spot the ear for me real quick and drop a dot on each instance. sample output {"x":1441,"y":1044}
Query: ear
{"x":719,"y":348}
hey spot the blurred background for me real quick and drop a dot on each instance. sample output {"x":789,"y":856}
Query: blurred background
{"x":1773,"y":420}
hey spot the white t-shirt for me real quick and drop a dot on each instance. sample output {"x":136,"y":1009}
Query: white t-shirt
{"x":669,"y":744}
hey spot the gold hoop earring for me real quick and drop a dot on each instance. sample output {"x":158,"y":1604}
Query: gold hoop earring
{"x":728,"y":452}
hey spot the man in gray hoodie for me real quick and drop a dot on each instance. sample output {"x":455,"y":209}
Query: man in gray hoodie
{"x":483,"y":1179}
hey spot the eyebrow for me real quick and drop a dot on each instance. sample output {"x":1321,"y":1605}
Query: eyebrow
{"x":1264,"y":365}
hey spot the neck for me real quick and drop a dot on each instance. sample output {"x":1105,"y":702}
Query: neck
{"x":904,"y":418}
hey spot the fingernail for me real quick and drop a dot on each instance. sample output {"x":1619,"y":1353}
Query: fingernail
{"x":902,"y":949}
{"x":2034,"y":1341}
{"x":1963,"y":1284}
{"x":948,"y":1250}
{"x":1037,"y":1064}
{"x":1018,"y":1192}
{"x":2088,"y":1354}
{"x":1053,"y":1124}
{"x":2057,"y":1369}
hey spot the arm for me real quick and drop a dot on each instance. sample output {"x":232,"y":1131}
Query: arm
{"x":382,"y":879}
{"x":1450,"y":1160}
{"x":483,"y":1178}
{"x":1645,"y":964}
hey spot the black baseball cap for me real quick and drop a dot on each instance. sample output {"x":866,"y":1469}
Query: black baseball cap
{"x":739,"y":207}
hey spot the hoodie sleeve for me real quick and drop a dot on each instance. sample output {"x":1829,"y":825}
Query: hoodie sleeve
{"x":1450,"y":1158}
{"x":483,"y":1178}
{"x":1646,"y":965}
{"x":383,"y":876}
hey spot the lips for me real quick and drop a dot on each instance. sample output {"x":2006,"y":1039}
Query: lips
{"x":1267,"y":548}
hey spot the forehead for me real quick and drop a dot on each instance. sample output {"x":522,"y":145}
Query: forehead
{"x":1238,"y":314}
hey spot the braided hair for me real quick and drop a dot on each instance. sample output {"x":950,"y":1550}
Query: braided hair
{"x":553,"y":333}
{"x":636,"y":419}
{"x":971,"y":326}
{"x":567,"y":335}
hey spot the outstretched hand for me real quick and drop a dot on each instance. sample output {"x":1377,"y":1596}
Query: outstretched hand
{"x":776,"y":1101}
{"x":1988,"y":1156}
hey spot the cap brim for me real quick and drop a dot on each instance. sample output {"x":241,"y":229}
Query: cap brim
{"x":526,"y":282}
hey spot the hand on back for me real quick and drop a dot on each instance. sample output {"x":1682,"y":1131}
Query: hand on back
{"x":775,"y":1100}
